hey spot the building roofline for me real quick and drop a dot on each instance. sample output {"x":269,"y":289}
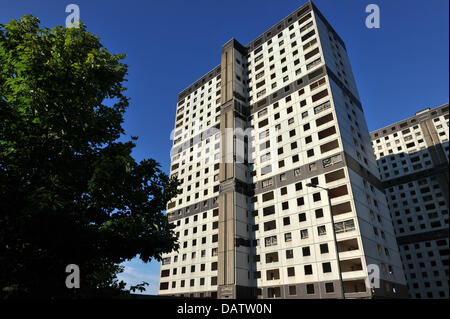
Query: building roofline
{"x":417,"y":114}
{"x":295,"y":14}
{"x":207,"y":74}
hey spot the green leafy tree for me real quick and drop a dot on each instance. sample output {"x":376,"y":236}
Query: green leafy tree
{"x":70,"y":191}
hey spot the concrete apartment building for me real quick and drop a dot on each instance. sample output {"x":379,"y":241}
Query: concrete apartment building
{"x":413,"y":160}
{"x":254,"y":140}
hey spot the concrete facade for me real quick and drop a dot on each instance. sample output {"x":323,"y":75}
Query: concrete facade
{"x":277,"y":114}
{"x":412,"y":157}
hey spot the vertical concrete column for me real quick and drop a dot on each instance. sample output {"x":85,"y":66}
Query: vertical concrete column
{"x":233,"y":281}
{"x":437,"y":153}
{"x":226,"y":257}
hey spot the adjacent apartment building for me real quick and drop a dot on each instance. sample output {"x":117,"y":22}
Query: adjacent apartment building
{"x":413,"y":161}
{"x":281,"y":194}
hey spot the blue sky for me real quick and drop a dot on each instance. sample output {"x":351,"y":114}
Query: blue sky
{"x":399,"y":69}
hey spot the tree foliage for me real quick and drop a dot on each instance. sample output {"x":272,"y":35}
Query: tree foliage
{"x":70,"y":191}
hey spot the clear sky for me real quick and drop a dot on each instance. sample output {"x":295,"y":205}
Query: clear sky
{"x":400,"y":68}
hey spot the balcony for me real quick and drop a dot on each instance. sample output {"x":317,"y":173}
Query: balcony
{"x":355,"y":289}
{"x":348,"y":248}
{"x":351,"y":265}
{"x":274,"y":292}
{"x":351,"y":268}
{"x":273,"y":274}
{"x":271,"y":258}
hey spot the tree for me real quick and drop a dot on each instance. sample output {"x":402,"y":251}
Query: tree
{"x":70,"y":191}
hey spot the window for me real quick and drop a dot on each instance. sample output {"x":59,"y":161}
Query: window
{"x":271,"y":258}
{"x":289,"y":254}
{"x":166,"y":273}
{"x":166,"y":261}
{"x":322,"y":107}
{"x":308,"y":139}
{"x":312,"y":64}
{"x":273,"y":274}
{"x":308,"y":270}
{"x":268,"y":196}
{"x":316,"y":197}
{"x":344,"y":226}
{"x":264,"y":134}
{"x":306,"y":251}
{"x":326,"y":132}
{"x":308,"y":35}
{"x":324,"y":119}
{"x":259,"y":75}
{"x":262,"y":112}
{"x":270,"y":241}
{"x":164,"y":286}
{"x":268,"y":226}
{"x":287,"y":237}
{"x":306,"y":26}
{"x":304,"y":234}
{"x":291,"y":271}
{"x":319,"y":213}
{"x":310,"y":43}
{"x":263,"y":123}
{"x":267,"y":183}
{"x":340,"y":191}
{"x":315,"y":73}
{"x":306,"y":127}
{"x":317,"y":84}
{"x":319,"y":95}
{"x":259,"y":66}
{"x":302,"y":217}
{"x":292,"y":290}
{"x":329,"y":146}
{"x":310,"y":289}
{"x":321,"y":230}
{"x":324,"y":249}
{"x":259,"y":84}
{"x":326,"y":267}
{"x":330,"y":161}
{"x":269,"y":210}
{"x":334,"y":176}
{"x":266,"y":170}
{"x":312,"y":53}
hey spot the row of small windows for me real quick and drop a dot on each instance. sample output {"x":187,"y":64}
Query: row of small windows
{"x":201,"y":282}
{"x":168,"y":260}
{"x":411,"y":121}
{"x":424,"y":272}
{"x":309,"y":289}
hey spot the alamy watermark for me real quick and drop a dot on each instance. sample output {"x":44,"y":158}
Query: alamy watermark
{"x":373,"y":276}
{"x":230,"y":145}
{"x":373,"y":19}
{"x":73,"y":19}
{"x":73,"y":279}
